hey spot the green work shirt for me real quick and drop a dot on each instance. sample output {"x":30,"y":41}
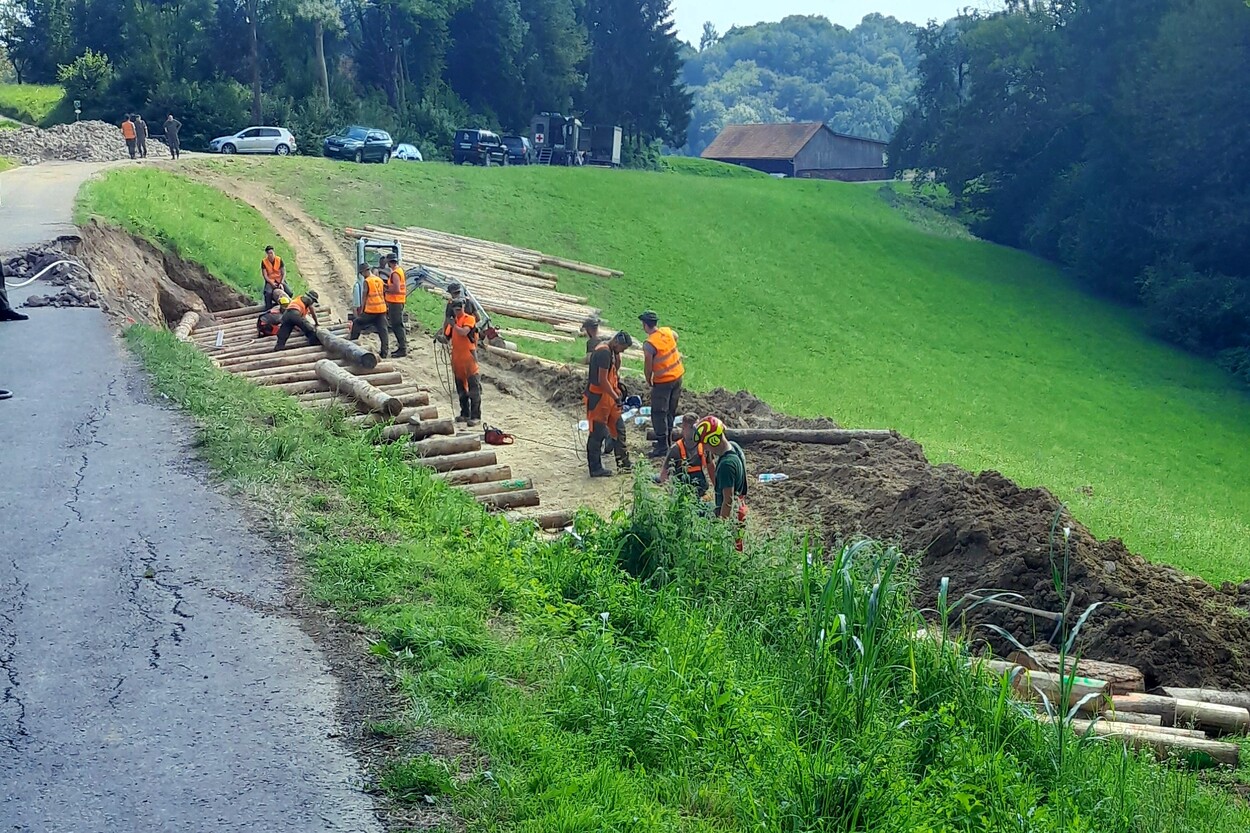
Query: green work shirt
{"x":731,"y":473}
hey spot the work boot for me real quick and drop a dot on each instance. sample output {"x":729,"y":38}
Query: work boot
{"x":601,"y":473}
{"x":625,"y":466}
{"x":657,"y":453}
{"x":13,"y":315}
{"x":473,"y":423}
{"x":399,"y":354}
{"x":463,"y":418}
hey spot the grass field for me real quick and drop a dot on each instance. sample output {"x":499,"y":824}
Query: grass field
{"x":198,"y":222}
{"x":6,"y":163}
{"x":34,"y":103}
{"x":824,"y":299}
{"x":647,"y":677}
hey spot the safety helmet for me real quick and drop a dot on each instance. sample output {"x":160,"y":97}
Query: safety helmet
{"x":710,"y":430}
{"x":283,"y":300}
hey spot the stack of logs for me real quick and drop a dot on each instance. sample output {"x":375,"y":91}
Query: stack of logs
{"x":342,"y":371}
{"x":1111,"y":699}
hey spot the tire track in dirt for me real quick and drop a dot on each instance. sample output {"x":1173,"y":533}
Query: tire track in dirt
{"x":548,"y":446}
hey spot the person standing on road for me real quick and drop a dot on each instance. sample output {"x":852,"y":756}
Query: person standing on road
{"x":603,"y":406}
{"x":141,"y":136}
{"x":464,"y":363}
{"x":371,"y":309}
{"x":129,"y":134}
{"x":664,"y":369}
{"x":273,"y":273}
{"x":396,"y":299}
{"x":296,"y":318}
{"x":172,"y":126}
{"x":729,"y":478}
{"x":687,"y":461}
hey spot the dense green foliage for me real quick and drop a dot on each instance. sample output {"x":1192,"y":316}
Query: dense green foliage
{"x":33,"y":103}
{"x":196,"y":221}
{"x":825,"y":299}
{"x":858,"y":81}
{"x":1112,"y":142}
{"x":782,"y":689}
{"x":418,"y":69}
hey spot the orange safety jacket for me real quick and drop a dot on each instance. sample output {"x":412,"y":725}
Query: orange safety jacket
{"x":463,"y":348}
{"x":666,"y":366}
{"x":397,"y":287}
{"x":375,"y":295}
{"x":299,"y":306}
{"x":614,"y":379}
{"x":128,"y":130}
{"x":700,"y":451}
{"x":272,"y":271}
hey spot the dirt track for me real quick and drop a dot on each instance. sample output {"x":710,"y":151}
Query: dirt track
{"x":548,"y":447}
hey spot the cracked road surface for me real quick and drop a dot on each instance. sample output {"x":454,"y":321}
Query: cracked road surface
{"x":144,"y":685}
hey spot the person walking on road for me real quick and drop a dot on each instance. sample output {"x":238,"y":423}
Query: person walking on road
{"x":603,"y":406}
{"x":141,"y":137}
{"x":371,"y":309}
{"x":296,"y":318}
{"x":687,"y":460}
{"x":129,"y":134}
{"x":273,"y":273}
{"x":396,"y":299}
{"x":664,"y":370}
{"x":729,"y":478}
{"x":171,"y":127}
{"x":464,"y":364}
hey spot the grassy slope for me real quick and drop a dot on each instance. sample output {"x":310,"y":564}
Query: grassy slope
{"x":717,"y":698}
{"x":6,"y":163}
{"x":33,"y":103}
{"x":822,"y":299}
{"x":199,"y":222}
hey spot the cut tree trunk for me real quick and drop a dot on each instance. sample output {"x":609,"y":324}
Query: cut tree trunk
{"x":186,"y":326}
{"x":1133,"y":717}
{"x":337,"y":377}
{"x":345,"y":349}
{"x":1197,"y":752}
{"x":496,"y":487}
{"x":423,"y":429}
{"x":509,"y":500}
{"x":1175,"y":711}
{"x":1121,"y":679}
{"x":1240,"y":699}
{"x":483,"y":474}
{"x":1031,"y":685}
{"x":456,"y":462}
{"x":557,"y":519}
{"x":438,"y":446}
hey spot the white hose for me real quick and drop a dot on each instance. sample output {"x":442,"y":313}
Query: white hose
{"x":46,"y":269}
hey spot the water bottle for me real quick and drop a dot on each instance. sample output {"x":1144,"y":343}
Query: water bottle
{"x":773,"y":477}
{"x":645,"y":411}
{"x":584,"y":425}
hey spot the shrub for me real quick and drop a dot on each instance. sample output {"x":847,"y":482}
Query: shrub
{"x":86,"y":77}
{"x":1203,"y":312}
{"x":205,"y":110}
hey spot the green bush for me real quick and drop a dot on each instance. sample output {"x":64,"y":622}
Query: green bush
{"x":87,"y":76}
{"x":206,"y":110}
{"x":1201,"y":312}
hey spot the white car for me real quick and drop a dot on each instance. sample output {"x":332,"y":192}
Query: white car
{"x":408,"y":153}
{"x":277,"y":140}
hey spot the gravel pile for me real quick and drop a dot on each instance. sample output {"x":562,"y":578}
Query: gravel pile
{"x":76,"y":288}
{"x":84,"y":141}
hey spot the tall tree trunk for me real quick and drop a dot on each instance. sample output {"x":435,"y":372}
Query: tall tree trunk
{"x":253,"y":13}
{"x":319,"y":44}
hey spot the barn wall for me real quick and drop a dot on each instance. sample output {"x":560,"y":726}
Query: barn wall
{"x":848,"y":174}
{"x":768,"y":166}
{"x":827,"y":151}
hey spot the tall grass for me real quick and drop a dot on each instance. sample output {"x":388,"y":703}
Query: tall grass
{"x":38,"y":104}
{"x":642,"y":675}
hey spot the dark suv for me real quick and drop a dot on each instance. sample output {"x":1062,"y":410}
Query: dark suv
{"x":478,"y":147}
{"x":359,"y":144}
{"x":520,"y":151}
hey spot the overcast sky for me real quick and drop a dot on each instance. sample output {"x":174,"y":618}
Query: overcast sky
{"x":691,"y":14}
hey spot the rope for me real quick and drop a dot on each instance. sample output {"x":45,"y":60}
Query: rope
{"x":47,"y":269}
{"x":442,"y":361}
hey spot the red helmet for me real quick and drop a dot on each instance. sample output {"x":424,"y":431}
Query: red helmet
{"x":710,"y":430}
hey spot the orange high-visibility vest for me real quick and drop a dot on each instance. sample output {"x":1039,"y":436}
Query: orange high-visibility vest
{"x":273,"y":271}
{"x":691,"y":467}
{"x":375,"y":295}
{"x":666,"y":366}
{"x":128,"y":129}
{"x":299,"y":306}
{"x":593,"y":385}
{"x":397,"y":288}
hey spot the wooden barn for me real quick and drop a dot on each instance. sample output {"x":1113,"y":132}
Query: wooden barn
{"x":798,"y":149}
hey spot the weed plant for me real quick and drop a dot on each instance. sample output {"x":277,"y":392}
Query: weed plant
{"x":641,"y":675}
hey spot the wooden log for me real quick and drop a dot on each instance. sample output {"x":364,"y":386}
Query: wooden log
{"x":268,"y":358}
{"x":240,"y":312}
{"x":1240,"y":699}
{"x":320,"y":385}
{"x":345,"y":349}
{"x":509,"y":500}
{"x":512,"y":355}
{"x":1121,"y":679}
{"x":306,"y":372}
{"x":1173,"y":711}
{"x":1133,"y":717}
{"x":408,"y":397}
{"x":395,"y":433}
{"x":423,"y":429}
{"x":337,"y":377}
{"x":494,"y":487}
{"x":1031,"y":685}
{"x":813,"y":436}
{"x":558,"y":519}
{"x":186,"y":325}
{"x":1197,"y":752}
{"x":456,"y":462}
{"x":578,"y":266}
{"x":482,"y":474}
{"x":439,"y":446}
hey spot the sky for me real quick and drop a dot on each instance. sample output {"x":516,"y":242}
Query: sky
{"x":691,"y":14}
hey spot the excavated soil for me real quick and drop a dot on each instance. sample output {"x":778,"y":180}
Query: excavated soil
{"x":985,"y":532}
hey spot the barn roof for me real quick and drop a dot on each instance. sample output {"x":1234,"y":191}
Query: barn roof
{"x":766,"y":141}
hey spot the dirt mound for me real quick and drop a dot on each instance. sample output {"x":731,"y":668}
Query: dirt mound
{"x":985,"y":532}
{"x":83,"y":141}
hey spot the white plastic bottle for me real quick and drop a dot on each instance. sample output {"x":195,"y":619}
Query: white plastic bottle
{"x":773,"y":477}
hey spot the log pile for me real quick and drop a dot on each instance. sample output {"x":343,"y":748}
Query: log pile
{"x":339,"y":372}
{"x":1115,"y":707}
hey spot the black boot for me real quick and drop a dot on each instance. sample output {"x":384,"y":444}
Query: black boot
{"x":13,"y":315}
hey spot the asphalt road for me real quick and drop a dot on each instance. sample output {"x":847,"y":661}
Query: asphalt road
{"x":150,"y":678}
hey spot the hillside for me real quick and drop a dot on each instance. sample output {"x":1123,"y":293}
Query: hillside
{"x":823,"y":300}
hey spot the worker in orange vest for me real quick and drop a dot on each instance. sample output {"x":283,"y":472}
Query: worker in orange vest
{"x":663,"y":369}
{"x":273,"y":273}
{"x":296,"y":318}
{"x":268,"y":322}
{"x":130,"y":135}
{"x":464,"y":363}
{"x":687,"y":460}
{"x":603,"y":406}
{"x":371,"y":314}
{"x":396,"y":298}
